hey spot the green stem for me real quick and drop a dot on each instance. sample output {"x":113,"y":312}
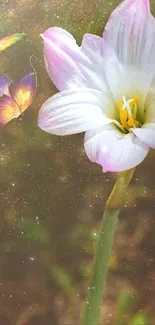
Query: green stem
{"x":103,"y":249}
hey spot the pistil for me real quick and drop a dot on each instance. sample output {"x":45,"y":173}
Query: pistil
{"x":128,"y":112}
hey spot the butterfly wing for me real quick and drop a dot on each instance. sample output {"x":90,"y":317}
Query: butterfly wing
{"x":23,"y":91}
{"x":21,"y":94}
{"x":8,"y":110}
{"x":10,"y":40}
{"x":4,"y":84}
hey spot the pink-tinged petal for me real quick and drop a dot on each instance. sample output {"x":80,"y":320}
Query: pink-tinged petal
{"x":113,"y":150}
{"x":119,"y":79}
{"x":131,"y":31}
{"x":8,"y":110}
{"x":146,"y":134}
{"x":105,"y":63}
{"x":74,"y":111}
{"x":97,"y":50}
{"x":70,"y":66}
{"x":4,"y":84}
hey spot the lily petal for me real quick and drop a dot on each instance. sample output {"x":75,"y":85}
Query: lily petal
{"x":131,"y":31}
{"x":71,"y":66}
{"x":146,"y":134}
{"x":113,"y":150}
{"x":74,"y":111}
{"x":119,"y":79}
{"x":149,"y":115}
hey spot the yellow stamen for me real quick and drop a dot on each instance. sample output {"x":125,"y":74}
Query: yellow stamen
{"x":128,"y":112}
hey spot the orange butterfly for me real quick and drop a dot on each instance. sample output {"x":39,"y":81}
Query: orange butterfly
{"x":16,"y":96}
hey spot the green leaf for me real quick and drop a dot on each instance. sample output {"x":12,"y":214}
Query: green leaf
{"x":125,"y":301}
{"x":62,"y":277}
{"x":142,"y":318}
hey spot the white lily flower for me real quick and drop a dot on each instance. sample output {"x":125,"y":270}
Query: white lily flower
{"x":107,"y":87}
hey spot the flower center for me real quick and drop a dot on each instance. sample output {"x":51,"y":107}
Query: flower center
{"x":128,"y":112}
